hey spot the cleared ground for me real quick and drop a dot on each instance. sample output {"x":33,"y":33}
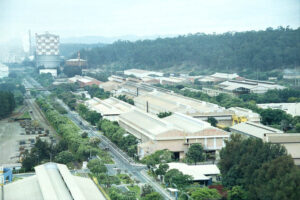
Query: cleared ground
{"x":10,"y":135}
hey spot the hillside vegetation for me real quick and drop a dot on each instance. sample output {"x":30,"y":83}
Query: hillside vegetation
{"x":244,"y":51}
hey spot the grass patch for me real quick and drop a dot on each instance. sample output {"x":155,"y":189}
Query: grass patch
{"x":136,"y":189}
{"x":25,"y":115}
{"x":125,"y":179}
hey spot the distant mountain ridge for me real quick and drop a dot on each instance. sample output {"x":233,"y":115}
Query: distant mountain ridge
{"x":251,"y":51}
{"x":108,"y":40}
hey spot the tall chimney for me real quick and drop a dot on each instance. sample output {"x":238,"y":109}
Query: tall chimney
{"x":147,"y":107}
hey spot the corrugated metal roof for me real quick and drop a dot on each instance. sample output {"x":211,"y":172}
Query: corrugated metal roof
{"x":254,"y":129}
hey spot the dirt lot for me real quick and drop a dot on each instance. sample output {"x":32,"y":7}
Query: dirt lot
{"x":10,"y":135}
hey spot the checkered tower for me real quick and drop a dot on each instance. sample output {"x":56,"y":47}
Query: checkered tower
{"x":47,"y":50}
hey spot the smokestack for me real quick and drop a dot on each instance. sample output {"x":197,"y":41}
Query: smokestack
{"x":147,"y":107}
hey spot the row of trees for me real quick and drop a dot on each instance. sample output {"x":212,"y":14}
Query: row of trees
{"x":81,"y":147}
{"x":125,"y":99}
{"x":95,"y":91}
{"x":260,"y":170}
{"x":7,"y":104}
{"x":91,"y":116}
{"x":117,"y":135}
{"x":244,"y":51}
{"x":43,"y":152}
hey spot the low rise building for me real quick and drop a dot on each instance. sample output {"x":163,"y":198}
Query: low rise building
{"x":109,"y":108}
{"x":291,"y":74}
{"x":84,"y":81}
{"x":225,"y":76}
{"x":139,"y":73}
{"x":290,"y":141}
{"x":252,"y":129}
{"x":290,"y":108}
{"x":111,"y":86}
{"x":248,"y":86}
{"x":51,"y":181}
{"x":175,"y":133}
{"x":205,"y":173}
{"x":156,"y":102}
{"x":172,"y":80}
{"x":115,"y":78}
{"x":53,"y":72}
{"x":243,"y":115}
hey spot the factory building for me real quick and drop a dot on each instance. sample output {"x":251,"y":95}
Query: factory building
{"x":156,"y":102}
{"x":84,"y":81}
{"x":51,"y":181}
{"x":139,"y":73}
{"x":248,"y":86}
{"x":47,"y":51}
{"x":290,"y":141}
{"x":175,"y":133}
{"x":109,"y":108}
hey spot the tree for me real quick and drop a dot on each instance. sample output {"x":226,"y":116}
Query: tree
{"x":64,"y":157}
{"x":162,"y":169}
{"x":195,"y":153}
{"x":95,"y":141}
{"x":237,"y":193}
{"x":176,"y":178}
{"x":297,"y":127}
{"x":164,"y":114}
{"x":242,"y":157}
{"x":93,"y":117}
{"x":205,"y":193}
{"x":212,"y":121}
{"x":84,"y":135}
{"x":146,"y":189}
{"x":276,"y":179}
{"x":160,"y":156}
{"x":96,"y":166}
{"x":153,"y":196}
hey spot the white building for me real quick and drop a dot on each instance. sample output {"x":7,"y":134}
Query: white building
{"x":225,"y":76}
{"x":198,"y":172}
{"x":253,"y":129}
{"x":290,"y":108}
{"x":53,"y":72}
{"x":4,"y":70}
{"x":249,"y":86}
{"x":139,"y":73}
{"x":109,"y":108}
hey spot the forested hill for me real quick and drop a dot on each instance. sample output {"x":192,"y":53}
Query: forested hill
{"x":261,"y":50}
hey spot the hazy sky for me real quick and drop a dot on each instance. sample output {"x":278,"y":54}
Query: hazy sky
{"x":143,"y":17}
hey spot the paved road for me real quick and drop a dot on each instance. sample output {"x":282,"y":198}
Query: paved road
{"x":122,"y":161}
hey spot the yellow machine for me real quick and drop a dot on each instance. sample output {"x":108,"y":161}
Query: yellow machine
{"x":238,"y":119}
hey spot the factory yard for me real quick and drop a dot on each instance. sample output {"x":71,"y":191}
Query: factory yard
{"x":18,"y":136}
{"x":10,"y":136}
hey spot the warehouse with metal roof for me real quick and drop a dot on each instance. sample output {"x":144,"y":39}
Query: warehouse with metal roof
{"x":248,"y":86}
{"x":175,"y":133}
{"x":156,"y":102}
{"x":253,"y":129}
{"x":52,"y":181}
{"x":109,"y":108}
